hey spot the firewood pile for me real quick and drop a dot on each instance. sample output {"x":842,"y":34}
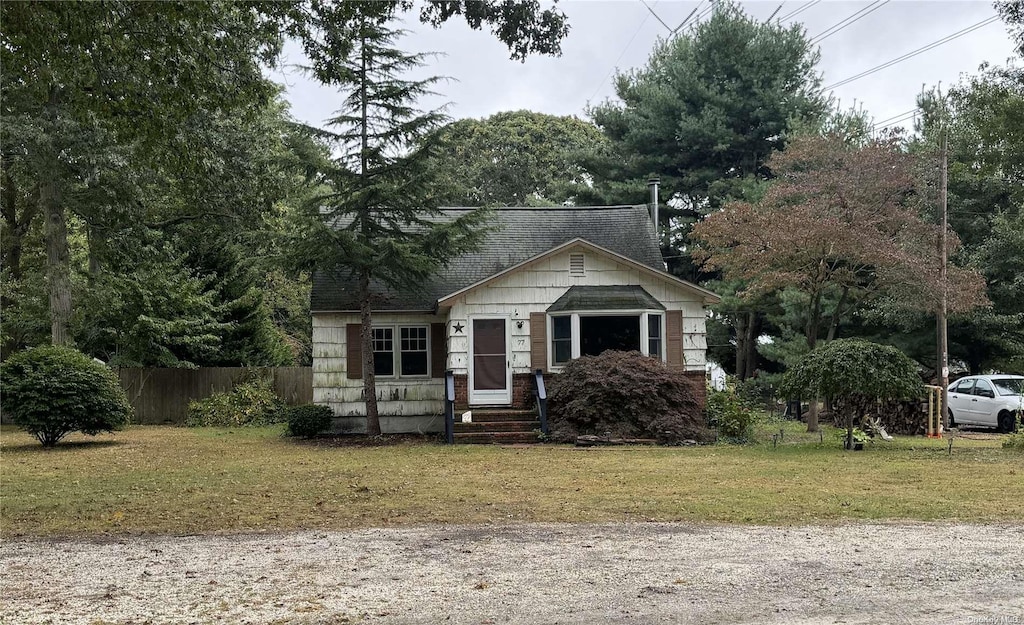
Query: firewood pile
{"x":898,"y":417}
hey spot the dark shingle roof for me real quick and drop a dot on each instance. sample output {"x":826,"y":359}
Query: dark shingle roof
{"x":606,"y":298}
{"x":519,"y":234}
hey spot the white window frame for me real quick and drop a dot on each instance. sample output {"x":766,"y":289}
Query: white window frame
{"x":644,"y":347}
{"x":396,"y":350}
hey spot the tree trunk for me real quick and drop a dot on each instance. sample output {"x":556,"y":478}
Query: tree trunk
{"x":58,"y":264}
{"x":740,"y":325}
{"x":837,"y":315}
{"x":55,"y":232}
{"x":16,"y":230}
{"x":366,"y":336}
{"x":750,"y":344}
{"x":92,"y":238}
{"x":813,"y":323}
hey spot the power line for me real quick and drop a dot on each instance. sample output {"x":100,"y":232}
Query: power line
{"x":621,"y":54}
{"x":921,"y":50}
{"x":896,"y":121}
{"x":777,"y":9}
{"x":656,"y":16}
{"x":828,"y":32}
{"x":798,"y":10}
{"x":688,"y":17}
{"x":701,"y":16}
{"x":888,"y":119}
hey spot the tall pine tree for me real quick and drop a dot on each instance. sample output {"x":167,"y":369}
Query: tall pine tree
{"x":379,"y":223}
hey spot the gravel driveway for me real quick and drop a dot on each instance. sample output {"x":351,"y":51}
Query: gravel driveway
{"x":569,"y":574}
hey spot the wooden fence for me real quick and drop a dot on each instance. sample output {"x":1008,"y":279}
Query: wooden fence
{"x":161,"y":396}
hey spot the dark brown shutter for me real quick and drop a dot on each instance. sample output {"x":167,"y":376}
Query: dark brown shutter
{"x":354,"y":351}
{"x":438,"y":350}
{"x":674,"y":338}
{"x":539,"y":341}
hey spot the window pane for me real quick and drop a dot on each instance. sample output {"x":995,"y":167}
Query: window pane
{"x":562,"y":351}
{"x":1009,"y":386}
{"x":413,"y":355}
{"x":489,"y":337}
{"x":414,"y":363}
{"x":383,"y":363}
{"x":383,"y":351}
{"x":383,"y":339}
{"x":619,"y":332}
{"x":654,"y":326}
{"x":654,"y":347}
{"x":561,"y":327}
{"x":414,"y":339}
{"x":965,"y":386}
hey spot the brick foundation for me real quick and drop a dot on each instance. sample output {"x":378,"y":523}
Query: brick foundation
{"x":523,"y":393}
{"x":700,"y":386}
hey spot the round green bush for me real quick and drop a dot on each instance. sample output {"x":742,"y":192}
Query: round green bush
{"x":308,"y":420}
{"x":628,"y":395}
{"x":52,"y":391}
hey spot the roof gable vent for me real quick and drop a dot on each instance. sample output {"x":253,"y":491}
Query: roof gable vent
{"x":576,"y":265}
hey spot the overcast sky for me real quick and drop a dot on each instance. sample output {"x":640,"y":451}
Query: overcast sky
{"x":618,"y":34}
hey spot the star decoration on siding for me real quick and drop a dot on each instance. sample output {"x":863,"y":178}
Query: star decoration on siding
{"x":458,"y":328}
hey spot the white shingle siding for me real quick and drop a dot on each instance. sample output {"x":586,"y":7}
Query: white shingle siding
{"x":534,"y":288}
{"x":332,"y":387}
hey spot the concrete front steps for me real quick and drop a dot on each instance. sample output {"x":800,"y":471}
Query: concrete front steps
{"x":498,"y":425}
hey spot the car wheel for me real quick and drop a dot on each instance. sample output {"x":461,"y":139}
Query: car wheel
{"x":952,"y":419}
{"x":1007,"y":423}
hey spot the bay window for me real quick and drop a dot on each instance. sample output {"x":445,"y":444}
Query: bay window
{"x":589,"y":333}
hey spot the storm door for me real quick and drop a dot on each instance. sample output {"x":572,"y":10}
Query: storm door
{"x":490,"y":378}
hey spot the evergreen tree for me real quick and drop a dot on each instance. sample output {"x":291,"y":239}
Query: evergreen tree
{"x":704,"y":114}
{"x":379,"y":223}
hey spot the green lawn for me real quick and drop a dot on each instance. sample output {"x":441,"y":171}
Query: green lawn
{"x":177,"y":480}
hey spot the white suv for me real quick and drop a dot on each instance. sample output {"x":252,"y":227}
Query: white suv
{"x":992,"y":401}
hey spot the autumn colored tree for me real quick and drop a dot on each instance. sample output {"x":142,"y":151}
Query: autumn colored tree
{"x":839,"y":222}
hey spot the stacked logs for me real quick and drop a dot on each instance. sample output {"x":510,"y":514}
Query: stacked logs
{"x":898,"y":417}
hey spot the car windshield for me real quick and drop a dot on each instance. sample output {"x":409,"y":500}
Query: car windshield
{"x":1009,"y":386}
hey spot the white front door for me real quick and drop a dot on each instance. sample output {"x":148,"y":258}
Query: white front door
{"x":490,"y":377}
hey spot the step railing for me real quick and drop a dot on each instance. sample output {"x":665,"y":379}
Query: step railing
{"x":542,"y":400}
{"x":449,"y":407}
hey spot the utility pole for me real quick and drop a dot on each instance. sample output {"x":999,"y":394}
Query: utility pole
{"x":943,"y":372}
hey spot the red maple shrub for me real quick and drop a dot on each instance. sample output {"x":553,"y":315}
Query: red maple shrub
{"x":625,"y":395}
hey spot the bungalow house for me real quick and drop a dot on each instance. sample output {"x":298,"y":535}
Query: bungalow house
{"x":547,"y":285}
